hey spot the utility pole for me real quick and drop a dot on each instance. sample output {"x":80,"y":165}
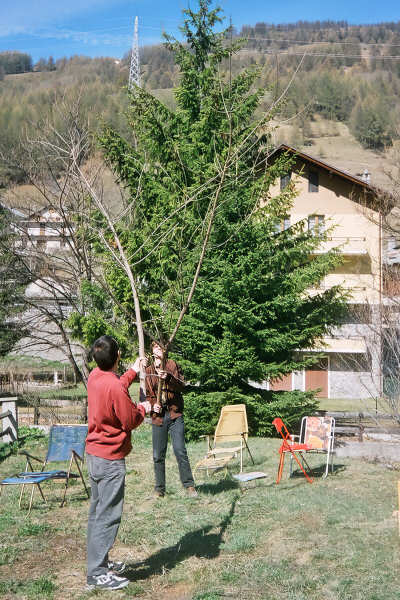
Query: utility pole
{"x":134,"y":72}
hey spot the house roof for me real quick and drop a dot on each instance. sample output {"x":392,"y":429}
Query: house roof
{"x":15,"y":211}
{"x":324,"y":165}
{"x":374,"y":197}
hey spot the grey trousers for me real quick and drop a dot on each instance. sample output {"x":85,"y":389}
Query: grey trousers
{"x":107,"y":480}
{"x":176,"y":428}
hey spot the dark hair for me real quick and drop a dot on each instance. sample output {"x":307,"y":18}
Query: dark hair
{"x":105,"y":352}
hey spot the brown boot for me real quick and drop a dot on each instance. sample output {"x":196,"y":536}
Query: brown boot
{"x":191,"y":492}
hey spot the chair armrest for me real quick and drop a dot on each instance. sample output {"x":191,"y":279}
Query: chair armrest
{"x":231,"y":434}
{"x":25,"y":453}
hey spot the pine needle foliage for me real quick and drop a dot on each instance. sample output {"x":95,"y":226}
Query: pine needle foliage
{"x":200,"y":167}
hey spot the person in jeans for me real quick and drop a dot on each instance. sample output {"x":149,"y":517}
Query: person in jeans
{"x":111,"y":417}
{"x":167,"y":419}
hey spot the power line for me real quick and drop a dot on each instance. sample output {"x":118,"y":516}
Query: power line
{"x":315,"y":42}
{"x":320,"y":54}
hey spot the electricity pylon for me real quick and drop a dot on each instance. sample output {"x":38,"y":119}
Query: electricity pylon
{"x":134,"y":72}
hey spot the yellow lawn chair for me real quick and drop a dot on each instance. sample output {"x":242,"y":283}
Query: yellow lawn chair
{"x":230,"y":438}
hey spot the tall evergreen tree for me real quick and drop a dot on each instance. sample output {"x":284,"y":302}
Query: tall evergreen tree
{"x":205,"y":164}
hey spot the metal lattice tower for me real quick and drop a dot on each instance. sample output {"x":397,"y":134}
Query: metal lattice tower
{"x":134,"y":73}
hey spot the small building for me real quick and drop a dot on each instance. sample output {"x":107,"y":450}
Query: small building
{"x":43,"y":230}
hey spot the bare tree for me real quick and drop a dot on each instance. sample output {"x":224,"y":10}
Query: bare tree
{"x":53,"y":241}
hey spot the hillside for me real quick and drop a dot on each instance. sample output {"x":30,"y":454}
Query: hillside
{"x":342,"y":99}
{"x":333,"y":142}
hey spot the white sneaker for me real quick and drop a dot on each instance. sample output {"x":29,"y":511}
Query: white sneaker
{"x":116,"y":566}
{"x":108,"y":581}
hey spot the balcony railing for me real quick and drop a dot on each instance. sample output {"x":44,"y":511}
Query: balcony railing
{"x":353,"y":288}
{"x":346,"y":245}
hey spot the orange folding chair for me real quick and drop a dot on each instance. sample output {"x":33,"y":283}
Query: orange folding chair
{"x":288,"y":445}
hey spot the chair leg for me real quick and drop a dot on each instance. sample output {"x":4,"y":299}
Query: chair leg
{"x":20,"y":496}
{"x":327,"y":466}
{"x":67,"y":481}
{"x":248,"y":450}
{"x":309,"y":479}
{"x":81,"y":474}
{"x":30,"y":503}
{"x":41,"y":493}
{"x":280,"y":468}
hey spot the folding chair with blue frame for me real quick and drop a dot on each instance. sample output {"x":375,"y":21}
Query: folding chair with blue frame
{"x":66,"y":443}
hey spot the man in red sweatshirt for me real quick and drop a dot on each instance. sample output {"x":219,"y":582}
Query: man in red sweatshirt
{"x":111,"y":417}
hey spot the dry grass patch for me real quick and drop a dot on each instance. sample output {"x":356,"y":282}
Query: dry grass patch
{"x":335,"y":539}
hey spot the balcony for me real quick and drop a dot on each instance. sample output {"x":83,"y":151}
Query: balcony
{"x":346,"y":245}
{"x":323,"y":287}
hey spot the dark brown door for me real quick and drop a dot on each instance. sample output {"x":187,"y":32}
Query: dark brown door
{"x":284,"y":384}
{"x":317,"y":377}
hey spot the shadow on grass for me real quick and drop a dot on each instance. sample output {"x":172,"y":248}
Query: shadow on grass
{"x":11,"y":448}
{"x":5,"y":454}
{"x":223,"y":485}
{"x":319,"y":472}
{"x":200,"y":543}
{"x":7,"y":450}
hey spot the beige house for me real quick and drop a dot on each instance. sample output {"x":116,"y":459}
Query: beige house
{"x":329,"y":197}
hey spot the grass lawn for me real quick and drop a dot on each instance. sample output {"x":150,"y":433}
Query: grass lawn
{"x":353,"y":404}
{"x":334,"y":539}
{"x":77,"y":391}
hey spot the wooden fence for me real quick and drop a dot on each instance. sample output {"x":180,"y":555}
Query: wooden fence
{"x":47,"y":411}
{"x":360,"y":424}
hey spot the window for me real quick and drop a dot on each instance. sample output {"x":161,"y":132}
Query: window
{"x":285,"y":179}
{"x":313,"y":181}
{"x":316,"y":223}
{"x":283,"y":224}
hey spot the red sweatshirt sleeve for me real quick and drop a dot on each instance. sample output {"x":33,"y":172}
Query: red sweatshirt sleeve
{"x":127,"y":378}
{"x":128,"y":413}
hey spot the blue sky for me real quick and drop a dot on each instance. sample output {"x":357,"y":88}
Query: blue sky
{"x":105,"y":27}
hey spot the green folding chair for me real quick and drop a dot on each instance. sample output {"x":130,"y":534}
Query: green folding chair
{"x":66,"y":443}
